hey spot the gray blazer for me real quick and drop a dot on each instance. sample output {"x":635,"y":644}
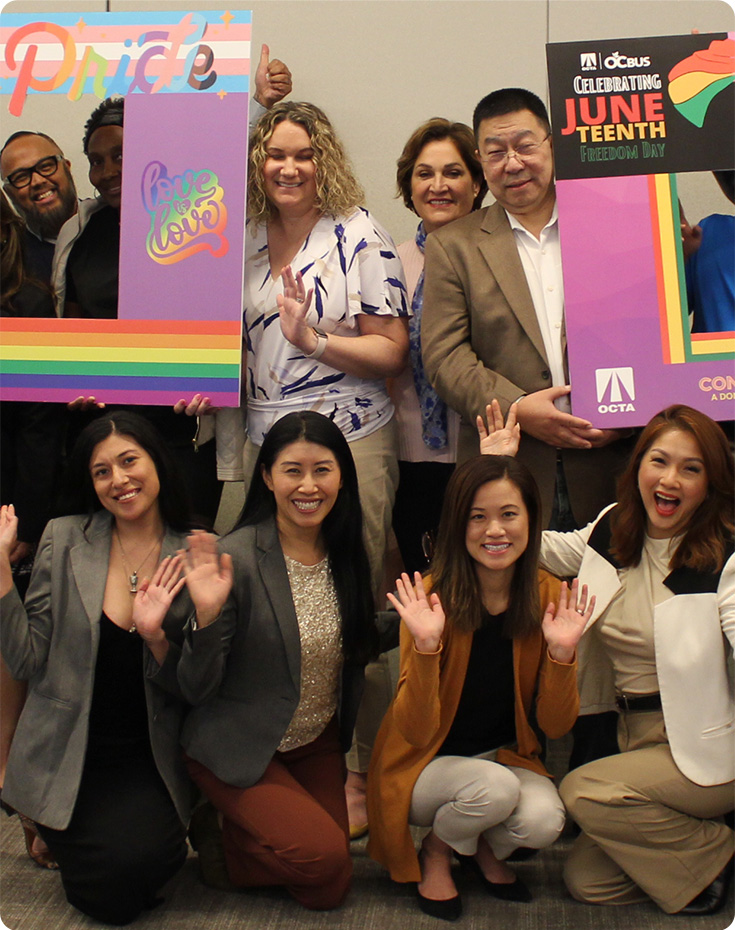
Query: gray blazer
{"x":52,"y":642}
{"x":481,"y":339}
{"x":243,"y":672}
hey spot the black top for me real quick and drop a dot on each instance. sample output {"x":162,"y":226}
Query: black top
{"x":33,"y":299}
{"x":118,"y":719}
{"x":38,"y":256}
{"x":93,"y":266}
{"x":485,"y":717}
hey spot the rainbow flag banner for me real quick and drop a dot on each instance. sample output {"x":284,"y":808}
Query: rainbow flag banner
{"x":119,"y":361}
{"x":185,"y":78}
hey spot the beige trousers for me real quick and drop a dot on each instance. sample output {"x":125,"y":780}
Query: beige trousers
{"x":376,"y":464}
{"x":464,"y":797}
{"x":647,"y":830}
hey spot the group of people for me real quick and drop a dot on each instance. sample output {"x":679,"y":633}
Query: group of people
{"x":176,"y":681}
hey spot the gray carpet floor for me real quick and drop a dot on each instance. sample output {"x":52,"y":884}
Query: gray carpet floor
{"x":32,"y":899}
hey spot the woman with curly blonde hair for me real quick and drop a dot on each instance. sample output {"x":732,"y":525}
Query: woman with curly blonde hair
{"x":338,"y":192}
{"x":325,"y":302}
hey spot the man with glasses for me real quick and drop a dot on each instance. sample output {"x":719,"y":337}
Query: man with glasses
{"x":37,"y":179}
{"x":493,"y":322}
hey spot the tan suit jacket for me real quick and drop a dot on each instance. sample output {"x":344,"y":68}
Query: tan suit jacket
{"x":481,"y":339}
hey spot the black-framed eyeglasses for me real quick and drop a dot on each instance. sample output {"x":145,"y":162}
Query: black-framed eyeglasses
{"x":522,"y":151}
{"x":45,"y":167}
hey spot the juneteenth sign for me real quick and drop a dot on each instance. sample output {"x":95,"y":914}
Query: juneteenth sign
{"x":185,"y":78}
{"x":628,"y":114}
{"x":642,"y":106}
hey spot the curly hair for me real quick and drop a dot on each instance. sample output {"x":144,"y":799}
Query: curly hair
{"x":109,"y":113}
{"x":435,"y":130}
{"x":338,"y":193}
{"x":709,"y":533}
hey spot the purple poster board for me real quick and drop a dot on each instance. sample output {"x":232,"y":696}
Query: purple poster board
{"x":630,"y":345}
{"x":185,"y":78}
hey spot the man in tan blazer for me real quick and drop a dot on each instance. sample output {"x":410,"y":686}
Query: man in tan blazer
{"x":493,"y":316}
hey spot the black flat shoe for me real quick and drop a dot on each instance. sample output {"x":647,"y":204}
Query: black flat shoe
{"x":449,"y":909}
{"x":513,"y":891}
{"x":712,"y":898}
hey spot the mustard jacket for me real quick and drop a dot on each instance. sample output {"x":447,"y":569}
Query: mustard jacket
{"x":423,"y":709}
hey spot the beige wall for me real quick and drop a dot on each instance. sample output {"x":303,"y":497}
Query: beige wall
{"x":380,"y":67}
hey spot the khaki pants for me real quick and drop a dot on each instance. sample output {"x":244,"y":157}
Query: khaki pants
{"x":464,"y":797}
{"x":648,"y":831}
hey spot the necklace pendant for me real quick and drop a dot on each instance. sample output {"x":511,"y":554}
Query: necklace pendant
{"x":134,"y":583}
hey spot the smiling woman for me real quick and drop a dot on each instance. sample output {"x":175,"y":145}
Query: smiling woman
{"x":486,"y":629}
{"x":89,"y":247}
{"x":278,"y":663}
{"x":97,"y":640}
{"x":440,"y":179}
{"x":659,"y":651}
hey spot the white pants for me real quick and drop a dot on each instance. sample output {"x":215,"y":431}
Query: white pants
{"x":462,"y":798}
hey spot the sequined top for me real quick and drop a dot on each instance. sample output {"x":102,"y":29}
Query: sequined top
{"x":320,"y":629}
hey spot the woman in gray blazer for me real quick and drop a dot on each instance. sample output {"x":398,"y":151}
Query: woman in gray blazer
{"x":95,"y":759}
{"x":275,"y":669}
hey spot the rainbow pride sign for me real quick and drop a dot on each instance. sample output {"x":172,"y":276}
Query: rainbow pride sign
{"x":185,"y":77}
{"x":627,"y":114}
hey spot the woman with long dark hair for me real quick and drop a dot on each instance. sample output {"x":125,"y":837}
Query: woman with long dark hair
{"x":275,"y":669}
{"x":95,"y":759}
{"x":486,"y":656}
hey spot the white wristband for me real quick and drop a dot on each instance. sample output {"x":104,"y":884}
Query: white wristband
{"x":321,"y":345}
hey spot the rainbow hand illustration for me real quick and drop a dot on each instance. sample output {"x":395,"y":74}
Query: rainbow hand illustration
{"x":696,"y":81}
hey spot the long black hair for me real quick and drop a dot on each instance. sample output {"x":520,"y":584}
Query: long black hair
{"x":341,"y":529}
{"x":79,"y":495}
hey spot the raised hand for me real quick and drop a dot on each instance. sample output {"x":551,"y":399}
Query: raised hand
{"x":208,"y":576}
{"x":563,"y":626}
{"x":293,"y":307}
{"x":8,"y":541}
{"x":498,"y":438}
{"x":8,"y":530}
{"x":154,"y":598}
{"x":272,"y":79}
{"x":424,"y":618}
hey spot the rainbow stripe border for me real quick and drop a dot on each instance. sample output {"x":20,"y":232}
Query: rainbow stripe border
{"x":678,"y":345}
{"x":120,"y":361}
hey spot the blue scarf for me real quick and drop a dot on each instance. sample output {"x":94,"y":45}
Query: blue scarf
{"x":433,"y":408}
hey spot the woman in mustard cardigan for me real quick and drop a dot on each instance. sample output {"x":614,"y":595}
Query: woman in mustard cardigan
{"x":456,"y":751}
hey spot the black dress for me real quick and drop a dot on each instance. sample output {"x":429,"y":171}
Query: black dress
{"x":125,"y":839}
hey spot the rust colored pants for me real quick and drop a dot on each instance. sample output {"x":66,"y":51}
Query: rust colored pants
{"x":290,"y":828}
